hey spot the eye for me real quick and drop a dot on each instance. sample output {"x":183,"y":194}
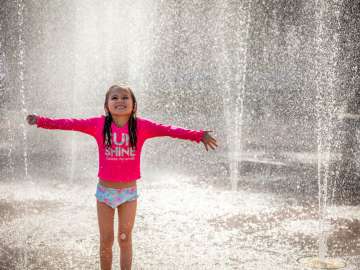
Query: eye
{"x":125,"y":98}
{"x":114,"y":98}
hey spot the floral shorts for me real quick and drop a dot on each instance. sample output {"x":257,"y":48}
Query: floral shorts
{"x":114,"y":197}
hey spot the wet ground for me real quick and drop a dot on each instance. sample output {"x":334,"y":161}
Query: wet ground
{"x":179,"y":225}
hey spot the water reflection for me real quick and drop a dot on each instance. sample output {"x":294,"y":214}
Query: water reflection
{"x":47,"y":226}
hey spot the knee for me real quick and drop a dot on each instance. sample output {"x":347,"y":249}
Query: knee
{"x":124,"y":237}
{"x":107,"y":240}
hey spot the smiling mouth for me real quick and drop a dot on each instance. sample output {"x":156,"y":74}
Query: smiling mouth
{"x":120,"y":107}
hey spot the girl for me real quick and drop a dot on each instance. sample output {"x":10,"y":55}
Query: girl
{"x":120,"y":136}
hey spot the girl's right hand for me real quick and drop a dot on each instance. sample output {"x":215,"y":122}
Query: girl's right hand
{"x":31,"y":119}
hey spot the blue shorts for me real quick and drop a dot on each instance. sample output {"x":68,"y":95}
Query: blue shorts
{"x":114,"y":197}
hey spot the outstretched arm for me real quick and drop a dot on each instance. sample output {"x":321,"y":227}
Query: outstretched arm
{"x":87,"y":125}
{"x":154,"y":129}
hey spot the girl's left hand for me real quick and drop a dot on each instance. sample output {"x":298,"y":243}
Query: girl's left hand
{"x":208,"y":140}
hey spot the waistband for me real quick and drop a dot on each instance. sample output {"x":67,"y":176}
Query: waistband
{"x":134,"y":188}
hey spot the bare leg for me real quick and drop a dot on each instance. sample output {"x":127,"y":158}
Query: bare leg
{"x":126,"y":253}
{"x":126,"y":212}
{"x":106,"y":227}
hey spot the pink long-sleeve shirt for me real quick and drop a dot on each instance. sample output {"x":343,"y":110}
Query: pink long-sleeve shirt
{"x":121,"y":163}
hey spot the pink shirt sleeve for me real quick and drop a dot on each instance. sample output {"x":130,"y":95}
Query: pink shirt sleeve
{"x":153,"y":129}
{"x":86,"y":125}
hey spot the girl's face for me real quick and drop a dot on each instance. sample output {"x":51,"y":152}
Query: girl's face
{"x":120,"y":102}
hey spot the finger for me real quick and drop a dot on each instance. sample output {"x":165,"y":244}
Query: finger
{"x":213,"y":141}
{"x":214,"y":144}
{"x":206,"y":146}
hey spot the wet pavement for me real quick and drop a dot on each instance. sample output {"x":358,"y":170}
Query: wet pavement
{"x":179,"y":225}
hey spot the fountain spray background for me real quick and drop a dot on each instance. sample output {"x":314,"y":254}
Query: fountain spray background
{"x":270,"y":78}
{"x":275,"y":68}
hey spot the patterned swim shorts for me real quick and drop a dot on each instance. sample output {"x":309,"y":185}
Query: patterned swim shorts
{"x":114,"y":197}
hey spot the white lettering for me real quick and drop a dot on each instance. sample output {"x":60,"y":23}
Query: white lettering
{"x":120,"y":152}
{"x":124,"y":151}
{"x":124,"y":139}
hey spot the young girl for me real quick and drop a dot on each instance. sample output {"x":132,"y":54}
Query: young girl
{"x":120,"y":136}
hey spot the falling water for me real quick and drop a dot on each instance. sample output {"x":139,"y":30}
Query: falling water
{"x":10,"y":158}
{"x":227,"y":116}
{"x":2,"y":65}
{"x":136,"y":51}
{"x":86,"y":41}
{"x":240,"y":79}
{"x":10,"y":138}
{"x":21,"y":53}
{"x":233,"y":101}
{"x":323,"y":133}
{"x":79,"y":63}
{"x":325,"y":105}
{"x":108,"y":33}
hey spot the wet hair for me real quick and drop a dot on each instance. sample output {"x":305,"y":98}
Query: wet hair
{"x":109,"y":119}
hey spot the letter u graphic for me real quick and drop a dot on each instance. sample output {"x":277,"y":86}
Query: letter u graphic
{"x":124,"y":139}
